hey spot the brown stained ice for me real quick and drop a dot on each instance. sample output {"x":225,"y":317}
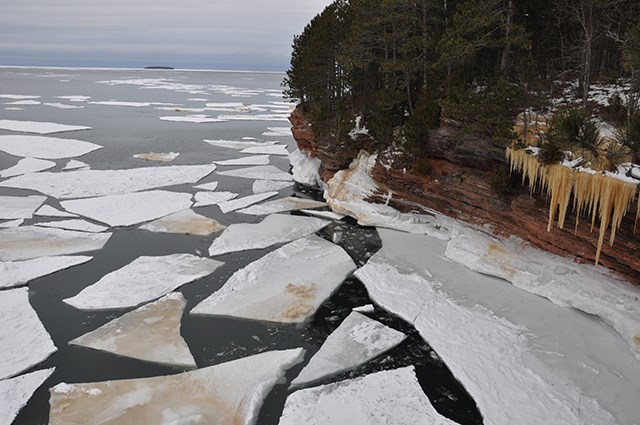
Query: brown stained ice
{"x":186,"y":222}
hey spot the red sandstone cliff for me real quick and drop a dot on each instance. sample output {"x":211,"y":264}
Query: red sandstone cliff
{"x":459,"y":185}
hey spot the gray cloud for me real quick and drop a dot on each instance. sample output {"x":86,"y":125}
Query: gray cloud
{"x":251,"y":34}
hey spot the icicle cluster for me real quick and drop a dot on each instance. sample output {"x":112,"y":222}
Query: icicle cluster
{"x":594,"y":194}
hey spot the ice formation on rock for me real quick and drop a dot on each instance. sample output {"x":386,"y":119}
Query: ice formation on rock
{"x":16,"y":392}
{"x":287,"y":285}
{"x":276,"y":228}
{"x":45,"y":147}
{"x":143,"y":280}
{"x":26,"y":242}
{"x":227,"y":393}
{"x":25,"y":342}
{"x":27,"y":165}
{"x":382,"y":398}
{"x":150,"y":333}
{"x":203,"y":199}
{"x":267,"y":150}
{"x":92,"y":183}
{"x":245,"y":201}
{"x":305,"y":169}
{"x":262,"y":172}
{"x":16,"y":273}
{"x":247,"y":160}
{"x":187,"y":222}
{"x":261,"y":186}
{"x":357,"y":340}
{"x":12,"y":207}
{"x":80,"y":225}
{"x":39,"y":127}
{"x":155,"y":156}
{"x":281,"y":205}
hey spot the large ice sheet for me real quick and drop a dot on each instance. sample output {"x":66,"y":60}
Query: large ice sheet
{"x":187,"y":222}
{"x":16,"y":392}
{"x":233,"y":144}
{"x":39,"y":127}
{"x":262,"y":172}
{"x":276,"y":228}
{"x":130,"y":208}
{"x":80,"y":225}
{"x":281,"y":205}
{"x":157,"y":156}
{"x":16,"y":273}
{"x":382,"y":398}
{"x":305,"y":169}
{"x":247,"y":160}
{"x":90,"y":183}
{"x":245,"y":201}
{"x":143,"y":280}
{"x":204,"y":199}
{"x":357,"y":340}
{"x":12,"y":207}
{"x":25,"y":342}
{"x":267,"y":150}
{"x":27,"y":165}
{"x":150,"y":333}
{"x":23,"y":243}
{"x":261,"y":186}
{"x":49,"y":211}
{"x":227,"y":393}
{"x":45,"y":147}
{"x":287,"y":285}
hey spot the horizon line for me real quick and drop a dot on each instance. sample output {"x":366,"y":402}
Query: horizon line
{"x":107,"y":68}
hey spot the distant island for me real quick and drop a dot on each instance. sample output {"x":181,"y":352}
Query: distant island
{"x":158,"y":67}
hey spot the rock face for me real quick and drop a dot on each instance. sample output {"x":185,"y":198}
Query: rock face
{"x":460,"y":181}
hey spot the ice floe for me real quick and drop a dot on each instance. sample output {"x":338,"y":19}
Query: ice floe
{"x":49,"y":211}
{"x":207,"y":186}
{"x":25,"y":103}
{"x":63,"y":105}
{"x":16,"y":392}
{"x":267,"y":150}
{"x":143,"y":280}
{"x":80,"y":225}
{"x":226,"y":393}
{"x":27,"y":165}
{"x":305,"y":169}
{"x":75,"y":98}
{"x":14,"y":207}
{"x":26,"y":242}
{"x":197,"y":119}
{"x":13,"y":108}
{"x":129,"y":208}
{"x":18,"y":96}
{"x":187,"y":222}
{"x":261,"y":172}
{"x":382,"y":398}
{"x":276,"y":228}
{"x":357,"y":340}
{"x":277,"y":131}
{"x":16,"y":273}
{"x":236,"y":204}
{"x":247,"y":160}
{"x":120,"y":103}
{"x":260,"y":186}
{"x":155,"y":156}
{"x":93,"y":183}
{"x":150,"y":333}
{"x":233,"y":144}
{"x":256,"y":117}
{"x":12,"y":223}
{"x":324,"y":214}
{"x":39,"y":127}
{"x":25,"y":342}
{"x":204,"y":199}
{"x":367,"y":308}
{"x":75,"y":164}
{"x":281,"y":205}
{"x":45,"y":147}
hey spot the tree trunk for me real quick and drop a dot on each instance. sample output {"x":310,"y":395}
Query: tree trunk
{"x":506,"y":51}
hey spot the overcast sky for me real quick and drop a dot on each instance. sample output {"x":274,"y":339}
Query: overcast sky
{"x":212,"y":34}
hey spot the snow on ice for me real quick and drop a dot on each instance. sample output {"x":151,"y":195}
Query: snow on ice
{"x":232,"y":391}
{"x":287,"y":285}
{"x":39,"y":127}
{"x":247,"y":160}
{"x":276,"y":228}
{"x":186,"y":222}
{"x":150,"y":333}
{"x":245,"y":201}
{"x":260,"y":172}
{"x":281,"y":205}
{"x":143,"y":280}
{"x":261,"y":186}
{"x":27,"y":165}
{"x":12,"y":207}
{"x":16,"y":273}
{"x":16,"y":392}
{"x":357,"y":340}
{"x":45,"y":147}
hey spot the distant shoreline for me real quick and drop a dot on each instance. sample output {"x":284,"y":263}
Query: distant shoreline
{"x":90,"y":68}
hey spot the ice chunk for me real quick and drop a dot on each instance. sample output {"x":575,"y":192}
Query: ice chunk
{"x":260,"y":186}
{"x":204,"y":199}
{"x":23,"y":243}
{"x":150,"y":333}
{"x":75,"y":98}
{"x":226,"y":393}
{"x":129,"y":208}
{"x":357,"y":340}
{"x":325,"y":214}
{"x":276,"y":228}
{"x":45,"y":147}
{"x":18,"y":96}
{"x":90,"y":183}
{"x":12,"y":223}
{"x":16,"y":392}
{"x":247,"y":160}
{"x":120,"y":103}
{"x":25,"y":342}
{"x":187,"y":222}
{"x":232,"y":144}
{"x":367,"y":308}
{"x":39,"y":127}
{"x":49,"y":211}
{"x":27,"y":165}
{"x":256,"y":117}
{"x":236,"y":204}
{"x":142,"y":280}
{"x":198,"y":119}
{"x":154,"y":156}
{"x":305,"y":169}
{"x":207,"y":186}
{"x":262,"y":172}
{"x":80,"y":225}
{"x":62,"y":105}
{"x":16,"y":273}
{"x":12,"y":207}
{"x":268,"y":150}
{"x":284,"y":204}
{"x":25,"y":103}
{"x":75,"y":164}
{"x":382,"y":398}
{"x":287,"y":285}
